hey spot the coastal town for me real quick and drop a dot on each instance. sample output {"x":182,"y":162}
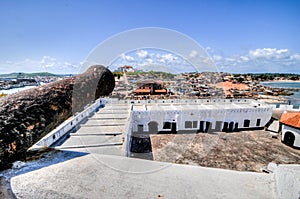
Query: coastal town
{"x":131,"y":84}
{"x":137,"y":84}
{"x":193,"y":119}
{"x":22,"y":80}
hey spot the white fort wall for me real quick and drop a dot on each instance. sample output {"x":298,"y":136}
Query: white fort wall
{"x":180,"y":117}
{"x":188,"y":117}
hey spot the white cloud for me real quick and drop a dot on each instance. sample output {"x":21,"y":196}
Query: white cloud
{"x":295,"y":57}
{"x":152,"y":59}
{"x":230,"y":59}
{"x":168,"y":58}
{"x":259,"y":60}
{"x":45,"y":64}
{"x":217,"y":57}
{"x":47,"y":59}
{"x":149,"y":60}
{"x":142,"y":54}
{"x":268,"y":53}
{"x":127,"y":58}
{"x":244,"y":58}
{"x":194,"y":53}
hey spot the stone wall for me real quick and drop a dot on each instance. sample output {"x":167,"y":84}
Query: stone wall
{"x":28,"y":115}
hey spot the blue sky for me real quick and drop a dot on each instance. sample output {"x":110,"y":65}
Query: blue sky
{"x":240,"y":35}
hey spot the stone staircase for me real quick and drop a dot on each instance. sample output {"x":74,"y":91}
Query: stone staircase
{"x":102,"y":133}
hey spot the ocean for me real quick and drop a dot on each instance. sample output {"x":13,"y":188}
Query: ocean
{"x":14,"y":90}
{"x":294,"y":99}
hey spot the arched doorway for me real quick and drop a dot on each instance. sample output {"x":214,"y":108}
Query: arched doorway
{"x":153,"y":127}
{"x":289,"y":138}
{"x":231,"y":127}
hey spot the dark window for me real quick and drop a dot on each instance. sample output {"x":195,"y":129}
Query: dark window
{"x":258,"y":122}
{"x":140,"y":128}
{"x":246,"y":123}
{"x":188,"y":124}
{"x":195,"y":123}
{"x":167,"y":125}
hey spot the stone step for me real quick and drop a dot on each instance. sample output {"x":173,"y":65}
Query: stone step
{"x":110,"y":122}
{"x":92,"y":140}
{"x":113,"y":117}
{"x":113,"y":112}
{"x":95,"y":133}
{"x":92,"y":125}
{"x":89,"y":146}
{"x":97,"y":129}
{"x":106,"y":150}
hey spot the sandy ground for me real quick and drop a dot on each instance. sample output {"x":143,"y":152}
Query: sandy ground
{"x":242,"y":151}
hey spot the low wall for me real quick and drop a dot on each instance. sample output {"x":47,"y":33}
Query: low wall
{"x":127,"y":137}
{"x":287,"y":179}
{"x":67,"y":126}
{"x":183,"y":101}
{"x":285,"y":107}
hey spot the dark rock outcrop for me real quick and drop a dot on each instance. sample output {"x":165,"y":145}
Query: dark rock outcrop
{"x":94,"y":83}
{"x":27,"y":116}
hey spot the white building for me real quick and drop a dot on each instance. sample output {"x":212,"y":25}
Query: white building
{"x":125,"y":69}
{"x":199,"y":115}
{"x":290,"y":128}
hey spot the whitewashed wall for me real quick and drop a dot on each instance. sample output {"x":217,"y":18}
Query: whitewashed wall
{"x":181,"y":116}
{"x":295,"y":131}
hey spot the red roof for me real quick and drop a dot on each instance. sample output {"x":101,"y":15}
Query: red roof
{"x":291,"y":119}
{"x":126,"y":67}
{"x":161,"y":91}
{"x":142,"y":91}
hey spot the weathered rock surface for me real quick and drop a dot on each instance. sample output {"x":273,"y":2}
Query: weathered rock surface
{"x":97,"y":81}
{"x":28,"y":115}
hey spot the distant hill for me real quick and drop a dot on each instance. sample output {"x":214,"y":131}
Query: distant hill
{"x":26,"y":75}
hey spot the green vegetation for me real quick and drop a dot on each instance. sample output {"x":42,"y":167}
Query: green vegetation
{"x":119,"y":74}
{"x":26,"y":75}
{"x":164,"y":75}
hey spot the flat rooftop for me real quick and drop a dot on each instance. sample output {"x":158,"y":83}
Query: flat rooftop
{"x":103,"y":176}
{"x":196,"y":106}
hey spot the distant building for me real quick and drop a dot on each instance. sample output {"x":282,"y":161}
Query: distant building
{"x":291,"y":128}
{"x":125,"y":69}
{"x":149,"y":87}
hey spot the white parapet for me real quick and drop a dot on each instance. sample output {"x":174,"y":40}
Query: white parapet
{"x":67,"y":126}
